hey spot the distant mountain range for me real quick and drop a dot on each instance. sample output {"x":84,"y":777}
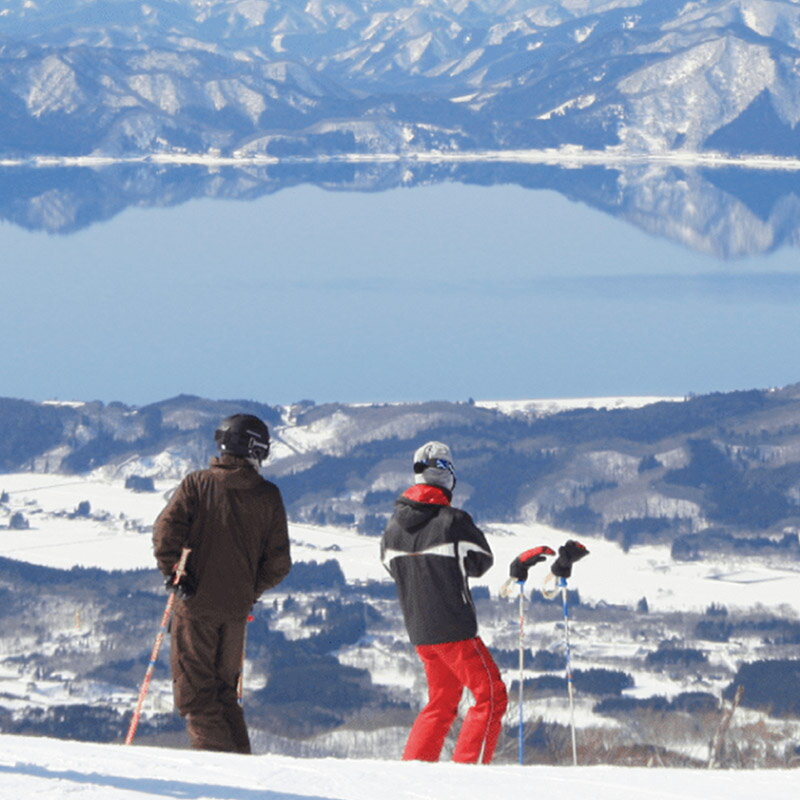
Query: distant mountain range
{"x":717,"y":471}
{"x":280,"y":78}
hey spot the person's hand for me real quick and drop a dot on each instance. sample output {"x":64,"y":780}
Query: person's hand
{"x":185,"y":587}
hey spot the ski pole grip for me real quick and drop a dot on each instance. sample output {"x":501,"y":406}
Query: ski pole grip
{"x":180,"y":567}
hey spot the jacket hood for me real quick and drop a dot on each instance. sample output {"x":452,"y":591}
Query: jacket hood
{"x":235,"y":472}
{"x":418,"y":505}
{"x":429,"y":493}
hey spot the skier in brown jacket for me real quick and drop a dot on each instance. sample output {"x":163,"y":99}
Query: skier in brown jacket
{"x":234,"y":522}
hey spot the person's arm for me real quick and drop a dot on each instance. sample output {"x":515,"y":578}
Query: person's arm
{"x":171,"y":528}
{"x":276,"y":560}
{"x":473,"y":547}
{"x":383,"y":553}
{"x":384,"y":561}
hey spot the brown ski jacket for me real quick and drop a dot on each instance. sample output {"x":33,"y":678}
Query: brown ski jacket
{"x":234,"y":522}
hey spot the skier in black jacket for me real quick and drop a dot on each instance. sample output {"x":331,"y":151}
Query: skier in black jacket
{"x":431,"y":549}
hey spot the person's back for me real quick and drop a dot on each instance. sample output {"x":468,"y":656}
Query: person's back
{"x":234,"y":523}
{"x":430,"y":549}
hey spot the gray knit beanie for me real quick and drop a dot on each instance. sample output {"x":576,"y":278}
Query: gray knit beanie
{"x":433,"y":464}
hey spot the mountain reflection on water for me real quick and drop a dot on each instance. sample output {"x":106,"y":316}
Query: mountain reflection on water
{"x":725,"y":212}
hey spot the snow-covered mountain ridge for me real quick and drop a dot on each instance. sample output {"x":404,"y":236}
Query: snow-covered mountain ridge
{"x":716,"y":471}
{"x":256,"y":77}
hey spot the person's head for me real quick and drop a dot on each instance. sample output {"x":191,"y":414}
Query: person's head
{"x":245,"y":436}
{"x":433,"y":464}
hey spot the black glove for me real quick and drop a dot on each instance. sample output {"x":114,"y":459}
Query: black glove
{"x":523,"y":562}
{"x":568,"y":554}
{"x":185,"y":587}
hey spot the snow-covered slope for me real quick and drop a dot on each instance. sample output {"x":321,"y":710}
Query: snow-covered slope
{"x":49,"y":769}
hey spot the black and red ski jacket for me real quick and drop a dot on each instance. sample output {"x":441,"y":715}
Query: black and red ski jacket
{"x":431,"y":549}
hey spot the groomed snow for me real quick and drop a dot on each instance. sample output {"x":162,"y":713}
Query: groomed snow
{"x":48,"y":769}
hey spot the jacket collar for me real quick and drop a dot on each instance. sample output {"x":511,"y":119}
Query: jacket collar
{"x":227,"y":461}
{"x":425,"y":493}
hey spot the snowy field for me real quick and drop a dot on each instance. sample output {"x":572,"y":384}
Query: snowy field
{"x":609,"y":574}
{"x":113,"y":538}
{"x":49,"y":769}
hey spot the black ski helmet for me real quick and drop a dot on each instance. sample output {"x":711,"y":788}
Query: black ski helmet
{"x":243,"y":435}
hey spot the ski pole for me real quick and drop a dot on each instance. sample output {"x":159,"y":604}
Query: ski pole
{"x":518,"y":571}
{"x":561,"y":569}
{"x":722,"y":729}
{"x":521,"y":732}
{"x":562,"y":582}
{"x":162,"y":632}
{"x":240,"y":681}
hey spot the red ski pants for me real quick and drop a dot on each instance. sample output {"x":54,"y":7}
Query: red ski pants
{"x":449,"y":668}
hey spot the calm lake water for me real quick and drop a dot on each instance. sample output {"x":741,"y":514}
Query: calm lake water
{"x":386,"y":285}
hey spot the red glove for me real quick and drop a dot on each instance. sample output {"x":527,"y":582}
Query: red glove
{"x":523,"y":562}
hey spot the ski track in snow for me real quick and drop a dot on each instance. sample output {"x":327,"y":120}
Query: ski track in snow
{"x":48,"y":769}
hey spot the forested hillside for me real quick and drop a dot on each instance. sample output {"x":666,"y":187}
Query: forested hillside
{"x":703,"y":473}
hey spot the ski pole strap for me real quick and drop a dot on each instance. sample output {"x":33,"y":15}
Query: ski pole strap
{"x":507,"y":589}
{"x":550,"y":588}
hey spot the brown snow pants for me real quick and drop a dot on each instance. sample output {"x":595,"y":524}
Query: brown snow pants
{"x":206,"y":656}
